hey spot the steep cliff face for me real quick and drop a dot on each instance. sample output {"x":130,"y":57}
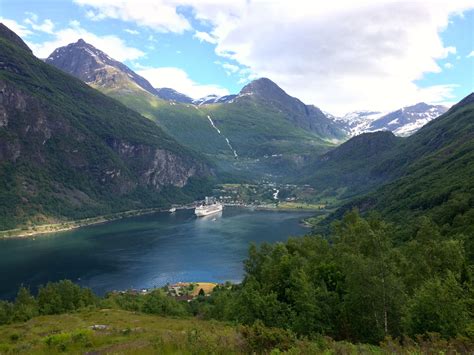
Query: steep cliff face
{"x":68,"y":151}
{"x":158,"y":167}
{"x":19,"y":125}
{"x":30,"y":123}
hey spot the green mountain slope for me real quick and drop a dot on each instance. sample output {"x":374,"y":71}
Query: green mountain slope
{"x":68,"y":151}
{"x":438,"y":178}
{"x":186,"y":123}
{"x":256,"y":128}
{"x":431,"y":174}
{"x":354,"y":166}
{"x":261,"y":136}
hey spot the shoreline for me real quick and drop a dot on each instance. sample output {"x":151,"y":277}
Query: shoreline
{"x":278,"y":209}
{"x":31,"y":232}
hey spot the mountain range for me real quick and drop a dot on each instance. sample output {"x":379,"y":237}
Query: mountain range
{"x":117,"y":80}
{"x":260,"y":131}
{"x":402,"y":122}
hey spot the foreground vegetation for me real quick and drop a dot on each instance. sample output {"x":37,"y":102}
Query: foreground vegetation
{"x":361,"y":285}
{"x":115,"y":331}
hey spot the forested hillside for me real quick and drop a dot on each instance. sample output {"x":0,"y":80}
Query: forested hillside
{"x":68,"y":151}
{"x":434,"y":176}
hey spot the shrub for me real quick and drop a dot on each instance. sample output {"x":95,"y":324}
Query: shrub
{"x":259,"y":338}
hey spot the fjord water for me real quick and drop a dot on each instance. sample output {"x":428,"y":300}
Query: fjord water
{"x":145,"y":251}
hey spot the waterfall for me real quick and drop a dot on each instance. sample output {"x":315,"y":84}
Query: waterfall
{"x":226,"y":139}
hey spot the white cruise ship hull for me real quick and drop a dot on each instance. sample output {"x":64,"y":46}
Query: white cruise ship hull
{"x":202,"y":211}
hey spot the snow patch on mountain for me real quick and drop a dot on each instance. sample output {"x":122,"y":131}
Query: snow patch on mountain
{"x":402,"y":122}
{"x":214,"y":99}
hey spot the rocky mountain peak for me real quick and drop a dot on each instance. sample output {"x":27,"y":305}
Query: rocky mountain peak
{"x":263,"y":87}
{"x":95,"y":67}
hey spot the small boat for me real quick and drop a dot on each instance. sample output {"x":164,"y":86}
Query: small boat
{"x":172,"y":210}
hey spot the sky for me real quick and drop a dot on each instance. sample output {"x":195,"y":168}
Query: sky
{"x":341,"y":56}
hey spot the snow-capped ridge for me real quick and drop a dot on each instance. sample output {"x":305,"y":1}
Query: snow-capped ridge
{"x":402,"y":122}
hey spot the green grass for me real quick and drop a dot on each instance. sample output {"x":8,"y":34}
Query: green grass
{"x":136,"y":333}
{"x":126,"y":332}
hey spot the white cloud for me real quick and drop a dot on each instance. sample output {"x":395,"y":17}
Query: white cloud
{"x":470,"y":54}
{"x":132,"y":32}
{"x":32,"y":16}
{"x":448,"y":65}
{"x":179,"y":80}
{"x":16,"y":27}
{"x":112,"y":45}
{"x":204,"y":37}
{"x":160,"y":15}
{"x":449,"y":50}
{"x":340,"y":55}
{"x":228,"y":67}
{"x":74,"y":23}
{"x":46,"y":26}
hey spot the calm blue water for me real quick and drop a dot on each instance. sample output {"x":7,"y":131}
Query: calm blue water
{"x":145,"y":251}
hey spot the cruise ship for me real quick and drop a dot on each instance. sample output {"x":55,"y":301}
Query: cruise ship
{"x":208,"y":208}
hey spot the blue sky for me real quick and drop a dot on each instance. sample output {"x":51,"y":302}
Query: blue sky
{"x":457,"y":69}
{"x":377,"y":55}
